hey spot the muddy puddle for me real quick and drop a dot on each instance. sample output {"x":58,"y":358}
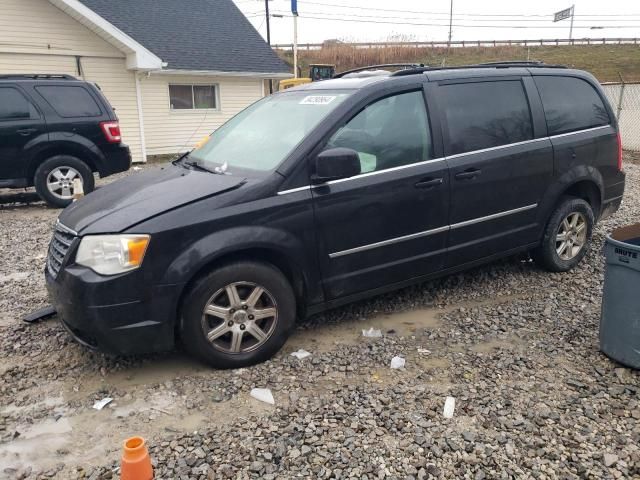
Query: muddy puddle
{"x":323,"y":338}
{"x":88,"y":436}
{"x":63,"y":427}
{"x":492,"y":344}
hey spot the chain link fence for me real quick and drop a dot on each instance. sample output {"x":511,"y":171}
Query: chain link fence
{"x":625,"y":100}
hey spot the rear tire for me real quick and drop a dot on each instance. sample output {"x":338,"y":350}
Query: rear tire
{"x":54,"y":179}
{"x":250,"y":311}
{"x":567,"y":236}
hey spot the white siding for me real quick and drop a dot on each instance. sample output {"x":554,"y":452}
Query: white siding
{"x":118,"y":85}
{"x":170,"y":131}
{"x":36,"y":26}
{"x":32,"y":63}
{"x":36,"y":37}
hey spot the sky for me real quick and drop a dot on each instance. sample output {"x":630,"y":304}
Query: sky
{"x":425,"y":20}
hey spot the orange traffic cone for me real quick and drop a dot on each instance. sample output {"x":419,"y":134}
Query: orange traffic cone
{"x":136,"y":464}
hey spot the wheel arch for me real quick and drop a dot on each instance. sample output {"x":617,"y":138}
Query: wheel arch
{"x":260,"y":253}
{"x":589,"y":191}
{"x":81,"y":152}
{"x":583,"y":182}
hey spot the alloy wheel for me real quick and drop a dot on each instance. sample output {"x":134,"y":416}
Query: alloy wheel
{"x":60,"y":182}
{"x":572,"y":236}
{"x":240,"y":317}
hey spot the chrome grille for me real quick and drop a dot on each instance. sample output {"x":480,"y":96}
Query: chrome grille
{"x":62,"y":239}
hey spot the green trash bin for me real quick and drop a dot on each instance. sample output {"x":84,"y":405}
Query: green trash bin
{"x":620,"y":320}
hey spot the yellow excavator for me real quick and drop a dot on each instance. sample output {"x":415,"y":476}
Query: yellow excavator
{"x":317,"y":72}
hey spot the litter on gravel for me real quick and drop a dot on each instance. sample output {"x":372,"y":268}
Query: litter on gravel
{"x":300,"y":354}
{"x":100,"y":404}
{"x":449,"y":407}
{"x":263,"y":394}
{"x":397,"y":362}
{"x":372,"y":333}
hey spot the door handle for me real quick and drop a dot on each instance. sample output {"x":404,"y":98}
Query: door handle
{"x":27,"y":131}
{"x":468,"y":174}
{"x":429,"y":183}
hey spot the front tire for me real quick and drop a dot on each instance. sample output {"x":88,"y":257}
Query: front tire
{"x":238,"y":315}
{"x":567,"y":236}
{"x":54,"y":179}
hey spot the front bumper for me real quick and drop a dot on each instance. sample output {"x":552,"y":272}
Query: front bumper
{"x":119,"y":314}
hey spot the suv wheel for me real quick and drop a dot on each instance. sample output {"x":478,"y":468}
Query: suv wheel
{"x":54,"y":179}
{"x":238,"y":315}
{"x":567,"y":236}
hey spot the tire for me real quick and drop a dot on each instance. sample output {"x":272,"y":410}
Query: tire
{"x":227,"y":323}
{"x":557,"y":255}
{"x":63,"y":169}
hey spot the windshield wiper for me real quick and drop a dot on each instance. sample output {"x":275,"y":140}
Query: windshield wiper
{"x":195,"y":165}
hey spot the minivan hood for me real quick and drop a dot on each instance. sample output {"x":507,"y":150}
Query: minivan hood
{"x":140,"y":196}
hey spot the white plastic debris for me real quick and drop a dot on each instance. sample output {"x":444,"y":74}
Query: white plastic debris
{"x":100,"y":404}
{"x":263,"y":394}
{"x":449,"y":407}
{"x":136,"y":169}
{"x":372,"y":333}
{"x":300,"y":354}
{"x":397,"y":362}
{"x":78,"y":189}
{"x":424,"y":351}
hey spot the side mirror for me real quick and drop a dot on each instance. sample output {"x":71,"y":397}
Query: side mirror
{"x":336,"y":163}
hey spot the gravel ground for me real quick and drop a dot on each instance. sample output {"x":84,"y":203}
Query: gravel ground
{"x":517,"y":347}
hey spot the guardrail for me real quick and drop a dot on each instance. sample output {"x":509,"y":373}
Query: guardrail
{"x":465,"y":43}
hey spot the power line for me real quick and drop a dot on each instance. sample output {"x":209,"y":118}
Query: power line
{"x":548,"y":16}
{"x":313,"y":12}
{"x":336,"y":19}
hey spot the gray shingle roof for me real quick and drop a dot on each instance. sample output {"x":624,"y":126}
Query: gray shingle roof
{"x":192,"y":34}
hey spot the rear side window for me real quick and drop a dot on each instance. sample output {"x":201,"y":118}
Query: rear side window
{"x":15,"y":106}
{"x":70,"y":101}
{"x":570,"y":104}
{"x":485,"y":114}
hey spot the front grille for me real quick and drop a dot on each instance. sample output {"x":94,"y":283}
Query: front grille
{"x":58,"y":248}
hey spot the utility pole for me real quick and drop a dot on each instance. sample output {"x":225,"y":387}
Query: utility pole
{"x":295,"y":46}
{"x":266,"y":11}
{"x":294,"y":12}
{"x":450,"y":21}
{"x":573,"y":14}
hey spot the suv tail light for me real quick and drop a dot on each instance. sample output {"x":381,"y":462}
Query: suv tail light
{"x":111,"y":131}
{"x":619,"y":152}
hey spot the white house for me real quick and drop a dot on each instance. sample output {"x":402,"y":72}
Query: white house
{"x":174,"y":70}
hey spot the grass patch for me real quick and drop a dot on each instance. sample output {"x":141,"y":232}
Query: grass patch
{"x":606,"y":62}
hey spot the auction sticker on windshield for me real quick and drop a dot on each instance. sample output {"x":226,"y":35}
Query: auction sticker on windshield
{"x":318,"y":100}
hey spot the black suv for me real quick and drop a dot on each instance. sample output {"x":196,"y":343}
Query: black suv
{"x":55,"y":129}
{"x":335,"y":191}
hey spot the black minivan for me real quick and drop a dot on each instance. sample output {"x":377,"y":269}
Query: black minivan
{"x":335,"y":191}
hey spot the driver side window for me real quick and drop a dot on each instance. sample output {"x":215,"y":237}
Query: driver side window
{"x":390,"y":132}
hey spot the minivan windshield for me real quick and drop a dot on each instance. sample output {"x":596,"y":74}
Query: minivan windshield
{"x":260,"y":137}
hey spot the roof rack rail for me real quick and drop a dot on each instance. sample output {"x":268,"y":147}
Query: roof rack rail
{"x":383,"y":65}
{"x":514,"y":62}
{"x":506,"y":64}
{"x":36,"y":76}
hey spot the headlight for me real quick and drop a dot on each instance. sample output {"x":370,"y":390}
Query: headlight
{"x":112,"y":254}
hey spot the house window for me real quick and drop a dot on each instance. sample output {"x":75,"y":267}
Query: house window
{"x":192,"y":97}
